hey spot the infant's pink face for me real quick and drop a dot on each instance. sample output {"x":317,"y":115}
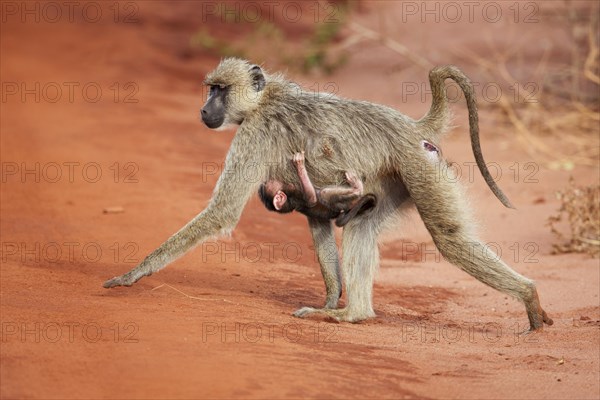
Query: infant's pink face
{"x":274,"y":188}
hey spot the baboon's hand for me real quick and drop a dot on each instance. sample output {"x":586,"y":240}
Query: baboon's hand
{"x":298,"y":158}
{"x":123,"y":280}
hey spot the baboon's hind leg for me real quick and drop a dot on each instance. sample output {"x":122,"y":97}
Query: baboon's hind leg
{"x":442,"y":209}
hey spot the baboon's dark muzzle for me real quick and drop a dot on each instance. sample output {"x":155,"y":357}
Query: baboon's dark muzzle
{"x":211,"y":121}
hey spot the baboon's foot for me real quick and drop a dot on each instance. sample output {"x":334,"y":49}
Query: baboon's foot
{"x":341,"y":314}
{"x":536,"y":314}
{"x":124,"y":280}
{"x":537,"y":321}
{"x":354,"y":181}
{"x":547,"y":320}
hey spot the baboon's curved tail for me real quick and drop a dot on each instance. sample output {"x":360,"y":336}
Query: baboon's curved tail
{"x":437,"y":117}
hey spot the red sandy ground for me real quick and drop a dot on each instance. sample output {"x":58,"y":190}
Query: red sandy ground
{"x":219,"y":323}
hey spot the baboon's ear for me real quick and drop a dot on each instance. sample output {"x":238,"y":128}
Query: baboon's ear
{"x":258,"y":79}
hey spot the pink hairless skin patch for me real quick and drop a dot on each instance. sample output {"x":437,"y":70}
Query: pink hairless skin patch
{"x":432,"y":150}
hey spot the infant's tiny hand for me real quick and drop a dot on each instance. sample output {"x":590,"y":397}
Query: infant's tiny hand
{"x":298,"y":158}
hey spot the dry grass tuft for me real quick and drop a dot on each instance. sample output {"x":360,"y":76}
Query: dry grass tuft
{"x":561,"y":101}
{"x":581,"y":207}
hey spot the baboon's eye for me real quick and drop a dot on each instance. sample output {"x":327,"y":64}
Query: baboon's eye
{"x":216,"y":89}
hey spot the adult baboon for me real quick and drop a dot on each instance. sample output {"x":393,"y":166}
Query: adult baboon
{"x":276,"y":118}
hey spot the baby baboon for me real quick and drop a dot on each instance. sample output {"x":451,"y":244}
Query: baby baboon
{"x":377,"y":143}
{"x":332,"y":202}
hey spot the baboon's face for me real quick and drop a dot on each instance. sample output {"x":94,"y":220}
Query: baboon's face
{"x":279,"y":197}
{"x":274,"y":190}
{"x":213,"y":112}
{"x":235,"y":89}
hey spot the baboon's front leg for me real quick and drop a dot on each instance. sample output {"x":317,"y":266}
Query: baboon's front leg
{"x":328,"y":256}
{"x":222,"y":214}
{"x":206,"y":224}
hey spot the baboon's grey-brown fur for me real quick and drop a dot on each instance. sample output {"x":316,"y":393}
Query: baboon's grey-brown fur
{"x":384,"y":147}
